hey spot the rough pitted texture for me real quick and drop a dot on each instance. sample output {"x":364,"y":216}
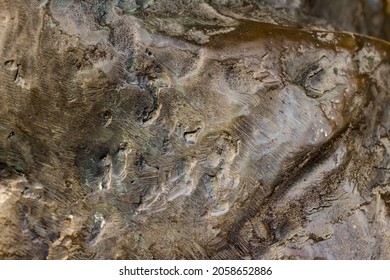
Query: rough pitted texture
{"x":222,"y":129}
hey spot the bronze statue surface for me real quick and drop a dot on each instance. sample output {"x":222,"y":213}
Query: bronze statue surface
{"x":194,"y":129}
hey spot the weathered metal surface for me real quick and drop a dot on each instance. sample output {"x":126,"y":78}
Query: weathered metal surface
{"x":174,"y":129}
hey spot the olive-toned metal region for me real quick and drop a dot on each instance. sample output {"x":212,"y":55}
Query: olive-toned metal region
{"x":194,"y":129}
